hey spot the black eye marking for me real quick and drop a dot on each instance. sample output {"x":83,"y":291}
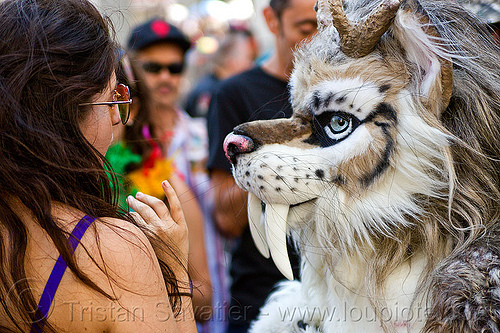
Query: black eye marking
{"x":331,"y":127}
{"x":384,"y":161}
{"x":385,"y":110}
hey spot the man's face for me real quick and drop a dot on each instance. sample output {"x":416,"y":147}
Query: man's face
{"x":297,"y":22}
{"x":163,"y":83}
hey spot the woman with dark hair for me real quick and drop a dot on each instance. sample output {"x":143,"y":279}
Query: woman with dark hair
{"x":70,"y":260}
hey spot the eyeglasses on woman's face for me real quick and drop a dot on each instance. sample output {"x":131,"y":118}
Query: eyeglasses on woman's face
{"x":121,"y":97}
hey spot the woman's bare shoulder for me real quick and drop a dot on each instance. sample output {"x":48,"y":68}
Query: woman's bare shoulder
{"x":122,"y":248}
{"x":117,"y":256}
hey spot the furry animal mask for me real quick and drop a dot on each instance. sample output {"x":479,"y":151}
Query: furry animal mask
{"x":390,"y":158}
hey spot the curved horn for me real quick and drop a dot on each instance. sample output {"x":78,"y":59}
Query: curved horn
{"x":359,"y":39}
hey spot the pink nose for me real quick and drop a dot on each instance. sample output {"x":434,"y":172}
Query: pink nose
{"x":235,"y":144}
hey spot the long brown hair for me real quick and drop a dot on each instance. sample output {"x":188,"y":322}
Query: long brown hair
{"x":54,"y":55}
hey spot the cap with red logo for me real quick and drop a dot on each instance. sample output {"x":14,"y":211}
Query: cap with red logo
{"x":156,"y":31}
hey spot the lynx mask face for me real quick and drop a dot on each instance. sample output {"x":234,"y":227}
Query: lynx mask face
{"x":364,"y":142}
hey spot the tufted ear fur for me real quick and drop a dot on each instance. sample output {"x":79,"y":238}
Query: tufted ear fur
{"x":424,"y":47}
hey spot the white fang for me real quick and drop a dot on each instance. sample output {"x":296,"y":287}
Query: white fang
{"x":276,"y":215}
{"x":257,"y":224}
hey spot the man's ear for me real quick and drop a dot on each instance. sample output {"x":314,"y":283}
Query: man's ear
{"x":272,"y":20}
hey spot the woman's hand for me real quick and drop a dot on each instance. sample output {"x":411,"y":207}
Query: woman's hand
{"x":169,"y":225}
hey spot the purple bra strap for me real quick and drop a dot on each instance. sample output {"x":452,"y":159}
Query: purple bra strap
{"x":57,"y":274}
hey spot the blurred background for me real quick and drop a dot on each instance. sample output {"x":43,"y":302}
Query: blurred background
{"x":204,"y":21}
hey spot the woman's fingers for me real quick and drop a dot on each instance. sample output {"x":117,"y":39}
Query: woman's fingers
{"x":140,"y":221}
{"x":145,"y":211}
{"x":173,"y":200}
{"x":156,"y":204}
{"x":151,"y":208}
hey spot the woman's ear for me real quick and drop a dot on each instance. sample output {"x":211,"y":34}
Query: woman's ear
{"x":272,"y":20}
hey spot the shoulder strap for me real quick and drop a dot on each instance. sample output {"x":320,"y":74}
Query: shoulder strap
{"x":57,"y":274}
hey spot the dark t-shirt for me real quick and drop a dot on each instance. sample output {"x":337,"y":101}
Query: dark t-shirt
{"x":251,"y":95}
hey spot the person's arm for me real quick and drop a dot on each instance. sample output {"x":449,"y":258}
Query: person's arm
{"x":197,"y":260}
{"x":230,"y":211}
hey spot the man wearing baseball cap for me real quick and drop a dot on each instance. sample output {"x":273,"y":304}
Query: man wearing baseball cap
{"x":159,"y":49}
{"x":174,"y":145}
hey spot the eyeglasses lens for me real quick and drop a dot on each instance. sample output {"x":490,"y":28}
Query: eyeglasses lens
{"x":176,"y":68}
{"x":152,"y":67}
{"x":123,"y":95}
{"x":155,"y":68}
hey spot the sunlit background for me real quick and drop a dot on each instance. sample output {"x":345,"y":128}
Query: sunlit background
{"x":197,"y":18}
{"x":204,"y":21}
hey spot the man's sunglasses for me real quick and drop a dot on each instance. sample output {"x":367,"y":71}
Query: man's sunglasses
{"x":121,"y":97}
{"x":155,"y":68}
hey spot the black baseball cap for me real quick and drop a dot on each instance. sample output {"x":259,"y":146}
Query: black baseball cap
{"x":156,"y":31}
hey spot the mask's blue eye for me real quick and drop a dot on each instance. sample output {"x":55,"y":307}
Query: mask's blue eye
{"x":339,"y":124}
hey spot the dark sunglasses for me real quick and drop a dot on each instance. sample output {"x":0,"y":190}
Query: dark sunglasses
{"x":155,"y":68}
{"x":121,"y":97}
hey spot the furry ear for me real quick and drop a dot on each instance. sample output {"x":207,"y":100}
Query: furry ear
{"x":433,"y":75}
{"x":323,"y":15}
